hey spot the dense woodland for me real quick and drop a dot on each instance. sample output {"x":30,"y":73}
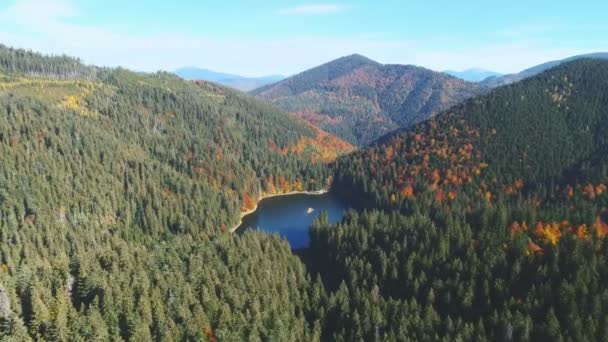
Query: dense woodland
{"x":492,"y":224}
{"x":117,"y":191}
{"x":360,"y":100}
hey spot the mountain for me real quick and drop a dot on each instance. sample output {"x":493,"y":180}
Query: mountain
{"x":496,"y":81}
{"x":359,"y":100}
{"x":473,"y":75}
{"x":233,"y":81}
{"x":487,"y":222}
{"x":117,"y":191}
{"x":490,"y":220}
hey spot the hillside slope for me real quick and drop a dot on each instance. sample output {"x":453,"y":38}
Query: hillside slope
{"x":115,"y":192}
{"x":359,"y":100}
{"x":546,"y":132}
{"x":493,"y":221}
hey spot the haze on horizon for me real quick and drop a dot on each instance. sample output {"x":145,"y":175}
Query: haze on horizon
{"x":285,"y":37}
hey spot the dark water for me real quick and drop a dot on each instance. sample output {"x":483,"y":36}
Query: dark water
{"x":287,"y":215}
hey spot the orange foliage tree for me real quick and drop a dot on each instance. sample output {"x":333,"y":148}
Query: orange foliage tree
{"x":407,"y":191}
{"x":248,"y":202}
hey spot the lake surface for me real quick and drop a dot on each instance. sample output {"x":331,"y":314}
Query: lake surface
{"x":290,"y":215}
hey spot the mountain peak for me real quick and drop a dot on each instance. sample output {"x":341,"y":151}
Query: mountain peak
{"x":360,"y":100}
{"x":358,"y":57}
{"x":323,"y":73}
{"x":353,"y":61}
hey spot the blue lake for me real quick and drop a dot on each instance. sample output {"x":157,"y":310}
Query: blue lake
{"x":291,"y":216}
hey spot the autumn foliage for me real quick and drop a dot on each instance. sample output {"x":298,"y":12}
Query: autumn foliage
{"x":323,"y":147}
{"x":551,"y":233}
{"x":248,"y":202}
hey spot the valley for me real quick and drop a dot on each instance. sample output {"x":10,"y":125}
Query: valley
{"x":126,"y":197}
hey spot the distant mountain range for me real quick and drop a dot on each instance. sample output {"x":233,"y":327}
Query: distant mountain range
{"x":233,"y":81}
{"x":360,"y":100}
{"x":473,"y":74}
{"x":497,"y":81}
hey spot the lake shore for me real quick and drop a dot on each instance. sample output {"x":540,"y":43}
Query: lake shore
{"x":251,"y":211}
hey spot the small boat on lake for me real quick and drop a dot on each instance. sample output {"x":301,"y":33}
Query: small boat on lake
{"x":309,"y":210}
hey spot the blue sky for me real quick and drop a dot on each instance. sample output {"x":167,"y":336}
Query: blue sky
{"x":255,"y":37}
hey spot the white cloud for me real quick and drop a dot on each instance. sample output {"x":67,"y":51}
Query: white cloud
{"x":38,"y":12}
{"x":310,"y":9}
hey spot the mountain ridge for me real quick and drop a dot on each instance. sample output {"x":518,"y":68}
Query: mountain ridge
{"x":486,"y":222}
{"x":507,"y":188}
{"x":359,"y":99}
{"x":496,"y":81}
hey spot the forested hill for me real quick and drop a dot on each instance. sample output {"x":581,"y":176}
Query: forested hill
{"x":545,"y":130}
{"x":493,"y":220}
{"x":360,"y":100}
{"x":487,"y":222}
{"x":115,"y":192}
{"x":29,"y":63}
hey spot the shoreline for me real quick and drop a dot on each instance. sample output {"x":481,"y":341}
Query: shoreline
{"x":251,"y":211}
